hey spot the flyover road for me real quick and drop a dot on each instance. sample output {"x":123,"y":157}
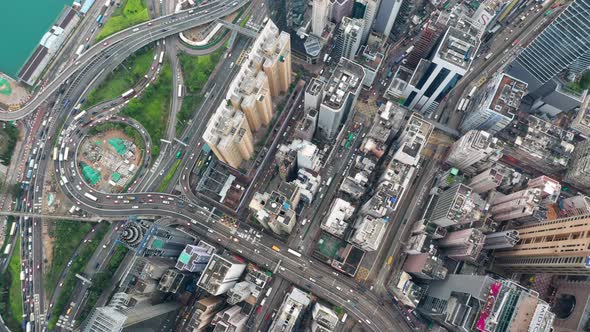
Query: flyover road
{"x":307,"y":273}
{"x":145,"y":33}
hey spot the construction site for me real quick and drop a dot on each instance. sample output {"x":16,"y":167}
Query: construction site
{"x":109,"y":160}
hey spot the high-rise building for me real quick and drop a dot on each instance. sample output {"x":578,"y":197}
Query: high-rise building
{"x":271,"y":51}
{"x":366,"y":10}
{"x":474,"y":152}
{"x":341,"y":9}
{"x":150,"y":239}
{"x":581,"y":123}
{"x":435,"y":77}
{"x":313,"y":94}
{"x":194,"y":258}
{"x":575,"y":206}
{"x":578,"y":170}
{"x":290,"y":311}
{"x":339,"y":97}
{"x":231,"y":319}
{"x":425,"y":266}
{"x":524,"y":205}
{"x":324,"y":316}
{"x":250,"y":93}
{"x":105,"y":319}
{"x":388,"y":11}
{"x":276,"y":210}
{"x":369,"y":232}
{"x":319,"y":16}
{"x":550,"y":188}
{"x":560,"y":46}
{"x":560,"y":246}
{"x":335,"y":222}
{"x":205,"y":309}
{"x":221,"y":274}
{"x":405,"y":290}
{"x":495,"y":104}
{"x":463,"y":245}
{"x":487,"y":180}
{"x":348,"y":38}
{"x":501,"y":240}
{"x":172,"y":281}
{"x":464,"y":302}
{"x":228,"y":135}
{"x":412,"y":140}
{"x":455,"y":206}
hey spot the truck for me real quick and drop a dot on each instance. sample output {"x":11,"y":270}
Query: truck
{"x":409,"y":50}
{"x":488,"y":56}
{"x":161,"y":60}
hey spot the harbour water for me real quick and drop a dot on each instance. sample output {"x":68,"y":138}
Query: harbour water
{"x":22,"y":24}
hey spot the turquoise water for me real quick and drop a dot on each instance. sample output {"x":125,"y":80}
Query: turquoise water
{"x":22,"y":24}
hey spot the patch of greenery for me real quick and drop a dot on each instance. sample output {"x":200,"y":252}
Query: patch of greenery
{"x":8,"y":136}
{"x":70,"y":281}
{"x":67,"y":236}
{"x":11,"y":292}
{"x":582,"y":84}
{"x":130,"y":13}
{"x":101,"y":280}
{"x":168,"y":177}
{"x":123,"y":78}
{"x":196,"y":72}
{"x":151,"y":108}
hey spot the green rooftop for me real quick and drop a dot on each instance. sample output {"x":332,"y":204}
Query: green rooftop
{"x":118,"y":145}
{"x":116,"y":177}
{"x":184,"y":258}
{"x":158,"y":243}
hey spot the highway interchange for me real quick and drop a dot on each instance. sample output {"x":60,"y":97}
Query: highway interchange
{"x":97,"y":62}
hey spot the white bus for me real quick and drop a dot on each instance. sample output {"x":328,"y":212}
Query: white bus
{"x":55,"y":154}
{"x":13,"y":229}
{"x":64,"y":179}
{"x":179,"y":90}
{"x":89,"y":196}
{"x":61,"y":157}
{"x":461,"y":104}
{"x":329,"y":181}
{"x":72,"y":209}
{"x":128,"y":94}
{"x":161,"y":57}
{"x":293,"y":252}
{"x":79,"y":115}
{"x":409,"y":50}
{"x":7,"y":249}
{"x":344,"y":317}
{"x":472,"y":91}
{"x":80,"y":50}
{"x":487,"y":57}
{"x":66,"y":152}
{"x":268,"y":291}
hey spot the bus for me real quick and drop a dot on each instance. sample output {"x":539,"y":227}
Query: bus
{"x":329,"y":181}
{"x":55,"y":154}
{"x":98,"y":19}
{"x":266,"y":20}
{"x":161,"y":57}
{"x":344,"y":317}
{"x":31,"y":163}
{"x":66,"y":152}
{"x":178,"y":154}
{"x":80,"y":50}
{"x":128,"y":94}
{"x":409,"y":50}
{"x":461,"y":104}
{"x":64,"y":179}
{"x":13,"y":229}
{"x":472,"y":91}
{"x":293,"y":252}
{"x":22,"y":275}
{"x":7,"y":249}
{"x":91,"y":197}
{"x":487,"y":57}
{"x":79,"y":115}
{"x":268,"y":291}
{"x":275,"y":248}
{"x":72,"y":209}
{"x":179,"y":90}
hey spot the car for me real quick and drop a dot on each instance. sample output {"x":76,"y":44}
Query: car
{"x":105,"y":43}
{"x":38,"y":266}
{"x":104,"y":246}
{"x":50,"y":305}
{"x":61,"y":284}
